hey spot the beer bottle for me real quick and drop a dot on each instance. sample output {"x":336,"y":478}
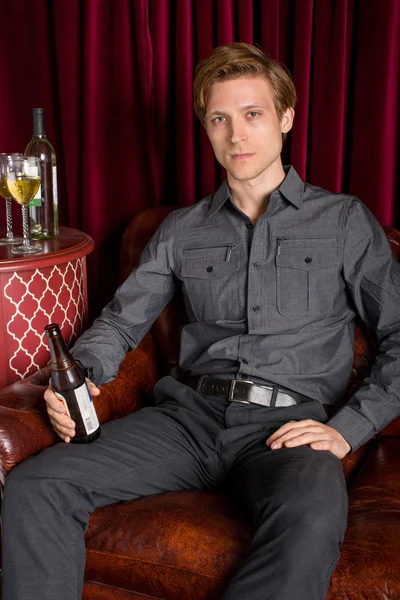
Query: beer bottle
{"x":69,"y":385}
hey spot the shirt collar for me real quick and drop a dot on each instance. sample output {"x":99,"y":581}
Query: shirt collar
{"x":291,"y":188}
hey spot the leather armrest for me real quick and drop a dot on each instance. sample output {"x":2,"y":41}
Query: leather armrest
{"x":134,"y":383}
{"x":24,"y":426}
{"x":369,"y":564}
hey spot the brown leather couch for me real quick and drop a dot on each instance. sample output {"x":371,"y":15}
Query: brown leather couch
{"x":187,"y":545}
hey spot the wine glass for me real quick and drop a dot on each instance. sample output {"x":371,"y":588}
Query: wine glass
{"x":23,"y":181}
{"x":10,"y":237}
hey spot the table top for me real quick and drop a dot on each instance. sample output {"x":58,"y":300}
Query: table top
{"x":69,"y":245}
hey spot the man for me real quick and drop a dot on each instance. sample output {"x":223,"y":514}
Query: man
{"x":273,"y":272}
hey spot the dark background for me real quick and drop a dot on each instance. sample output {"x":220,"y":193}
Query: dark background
{"x":115,"y":78}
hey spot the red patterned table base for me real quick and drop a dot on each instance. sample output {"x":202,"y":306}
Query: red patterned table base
{"x":31,"y":300}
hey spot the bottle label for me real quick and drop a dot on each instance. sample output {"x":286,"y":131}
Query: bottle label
{"x":63,"y":400}
{"x":86,"y":407}
{"x":37,"y":199}
{"x":55,"y":189}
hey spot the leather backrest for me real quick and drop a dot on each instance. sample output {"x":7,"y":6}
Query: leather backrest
{"x":166,"y":328}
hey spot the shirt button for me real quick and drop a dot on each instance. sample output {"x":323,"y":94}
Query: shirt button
{"x":256,"y":308}
{"x":245,"y":362}
{"x":256,"y":265}
{"x":249,"y":225}
{"x":209,"y":269}
{"x":242,"y":376}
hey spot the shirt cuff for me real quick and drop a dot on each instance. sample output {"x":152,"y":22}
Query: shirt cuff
{"x":92,"y":366}
{"x":88,"y":371}
{"x":353,"y":426}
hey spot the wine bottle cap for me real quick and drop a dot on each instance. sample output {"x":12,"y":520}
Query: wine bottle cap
{"x":38,"y":122}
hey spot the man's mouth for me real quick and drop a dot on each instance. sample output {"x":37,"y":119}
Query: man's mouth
{"x":241,"y":156}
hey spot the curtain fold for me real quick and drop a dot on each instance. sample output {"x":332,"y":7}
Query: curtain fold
{"x":329,"y":89}
{"x":375,"y":159}
{"x":115,"y":78}
{"x":302,"y":54}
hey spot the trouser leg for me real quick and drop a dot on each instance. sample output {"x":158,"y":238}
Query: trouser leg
{"x":298,"y":499}
{"x":49,"y":498}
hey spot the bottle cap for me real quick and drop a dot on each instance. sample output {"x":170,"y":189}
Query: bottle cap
{"x":38,"y":122}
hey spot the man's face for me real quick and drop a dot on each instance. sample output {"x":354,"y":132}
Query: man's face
{"x":244,"y":128}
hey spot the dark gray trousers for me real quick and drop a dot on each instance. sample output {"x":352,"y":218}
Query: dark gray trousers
{"x":187,"y":441}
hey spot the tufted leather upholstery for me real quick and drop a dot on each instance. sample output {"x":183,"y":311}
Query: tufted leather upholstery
{"x":188,"y":544}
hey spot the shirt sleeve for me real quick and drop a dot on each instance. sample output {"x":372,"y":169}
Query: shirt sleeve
{"x":136,"y":305}
{"x":372,"y":277}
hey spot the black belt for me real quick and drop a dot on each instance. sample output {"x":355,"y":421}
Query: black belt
{"x":240,"y":390}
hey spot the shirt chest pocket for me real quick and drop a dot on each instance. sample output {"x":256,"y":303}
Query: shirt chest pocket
{"x":305,"y":276}
{"x":214,"y":282}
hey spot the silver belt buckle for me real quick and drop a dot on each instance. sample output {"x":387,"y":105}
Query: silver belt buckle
{"x":254,"y":388}
{"x":232,"y":390}
{"x":262,"y":399}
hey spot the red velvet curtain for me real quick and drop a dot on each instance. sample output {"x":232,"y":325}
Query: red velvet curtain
{"x":115,"y":78}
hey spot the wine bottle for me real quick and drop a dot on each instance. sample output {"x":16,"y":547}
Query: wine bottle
{"x":69,"y":385}
{"x":43,"y":208}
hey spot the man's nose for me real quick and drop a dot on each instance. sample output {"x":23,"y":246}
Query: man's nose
{"x":238,"y":131}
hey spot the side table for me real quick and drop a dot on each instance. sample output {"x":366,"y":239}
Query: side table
{"x":36,"y":290}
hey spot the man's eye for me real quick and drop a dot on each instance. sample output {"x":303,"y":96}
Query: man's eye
{"x":219,"y":119}
{"x":253,"y":113}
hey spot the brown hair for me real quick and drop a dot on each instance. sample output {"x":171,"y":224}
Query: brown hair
{"x":237,"y":60}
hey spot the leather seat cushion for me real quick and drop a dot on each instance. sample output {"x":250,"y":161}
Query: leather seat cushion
{"x":168,"y":544}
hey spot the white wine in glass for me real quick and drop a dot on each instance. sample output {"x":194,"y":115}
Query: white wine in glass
{"x":23,"y":181}
{"x":4,"y":191}
{"x":23,"y":188}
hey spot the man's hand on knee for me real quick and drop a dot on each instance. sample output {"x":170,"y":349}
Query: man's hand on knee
{"x":62,"y":424}
{"x":312,"y":433}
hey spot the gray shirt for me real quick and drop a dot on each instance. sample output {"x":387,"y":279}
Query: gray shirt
{"x":276,"y":301}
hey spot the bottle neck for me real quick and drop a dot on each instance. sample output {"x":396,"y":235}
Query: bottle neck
{"x":60,"y":356}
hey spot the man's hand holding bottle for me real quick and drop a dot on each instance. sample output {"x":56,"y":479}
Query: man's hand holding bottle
{"x":62,"y":424}
{"x":69,"y":396}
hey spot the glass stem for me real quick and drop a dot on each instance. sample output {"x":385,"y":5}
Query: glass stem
{"x":25,"y":226}
{"x":10,"y":235}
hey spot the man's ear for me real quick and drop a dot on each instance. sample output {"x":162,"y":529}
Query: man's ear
{"x":287,"y":120}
